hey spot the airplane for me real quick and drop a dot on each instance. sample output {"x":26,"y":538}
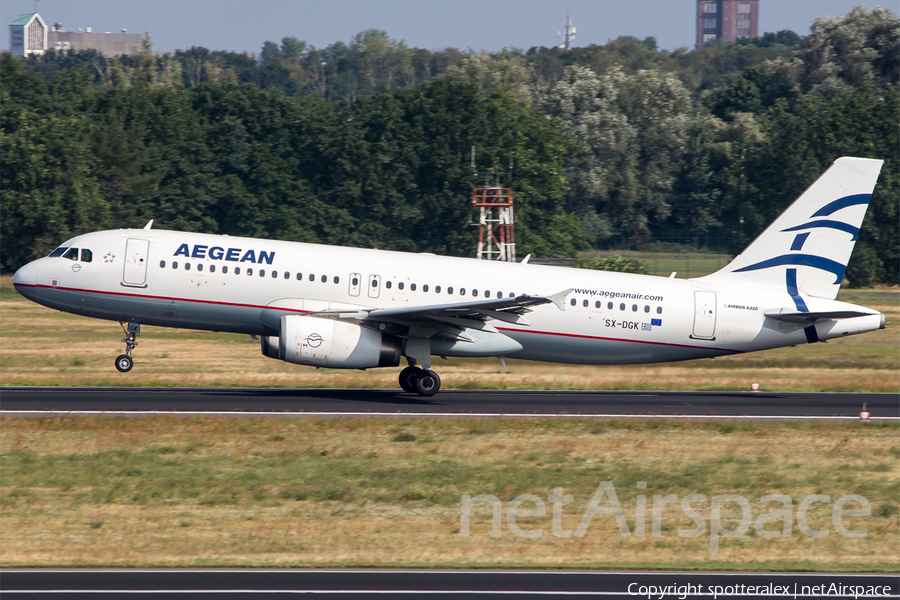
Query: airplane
{"x":354,"y":308}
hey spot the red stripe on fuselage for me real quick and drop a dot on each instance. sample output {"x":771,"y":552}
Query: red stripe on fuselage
{"x":220,"y":303}
{"x":148,"y":296}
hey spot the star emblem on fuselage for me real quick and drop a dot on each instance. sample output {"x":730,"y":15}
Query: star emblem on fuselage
{"x":108,"y":257}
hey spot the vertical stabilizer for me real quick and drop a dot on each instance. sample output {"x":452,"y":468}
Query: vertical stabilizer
{"x":806,"y":250}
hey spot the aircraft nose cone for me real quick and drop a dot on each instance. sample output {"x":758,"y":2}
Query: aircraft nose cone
{"x":26,"y":278}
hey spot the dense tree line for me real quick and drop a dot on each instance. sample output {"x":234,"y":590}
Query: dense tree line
{"x":368,"y":143}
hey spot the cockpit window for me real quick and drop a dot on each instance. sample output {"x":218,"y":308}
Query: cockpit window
{"x":71,"y":254}
{"x":86,"y":255}
{"x":58,"y":252}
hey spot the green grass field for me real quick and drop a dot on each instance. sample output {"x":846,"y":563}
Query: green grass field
{"x":167,"y":491}
{"x":684,"y":264}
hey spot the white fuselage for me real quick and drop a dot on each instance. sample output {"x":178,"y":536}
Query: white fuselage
{"x":243,"y":285}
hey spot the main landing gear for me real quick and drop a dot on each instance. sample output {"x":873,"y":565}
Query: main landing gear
{"x":423,"y":382}
{"x":124,"y":362}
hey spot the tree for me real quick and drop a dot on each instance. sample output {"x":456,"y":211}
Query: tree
{"x":851,"y":51}
{"x":629,"y":132}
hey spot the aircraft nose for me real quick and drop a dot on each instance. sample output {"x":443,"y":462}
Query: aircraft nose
{"x":26,"y":278}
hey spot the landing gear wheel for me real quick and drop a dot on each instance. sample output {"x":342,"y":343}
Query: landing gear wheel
{"x":124,"y":363}
{"x":408,"y":378}
{"x":427,"y":383}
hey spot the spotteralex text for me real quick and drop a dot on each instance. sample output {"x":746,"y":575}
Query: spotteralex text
{"x":682,"y":591}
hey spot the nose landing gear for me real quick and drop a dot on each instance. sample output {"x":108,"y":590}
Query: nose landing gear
{"x":124,"y":362}
{"x":423,"y":382}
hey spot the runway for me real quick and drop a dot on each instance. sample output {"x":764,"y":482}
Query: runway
{"x":448,"y":403}
{"x":361,"y":583}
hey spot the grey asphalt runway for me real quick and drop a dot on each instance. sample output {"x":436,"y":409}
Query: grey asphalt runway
{"x":363,"y":583}
{"x":758,"y":405}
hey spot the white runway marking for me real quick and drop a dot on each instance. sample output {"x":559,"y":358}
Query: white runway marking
{"x":418,"y":592}
{"x":264,"y":413}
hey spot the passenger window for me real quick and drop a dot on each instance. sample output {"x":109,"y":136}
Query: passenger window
{"x":597,"y":304}
{"x":86,"y":255}
{"x":462,"y":291}
{"x":437,"y":289}
{"x":237,"y":270}
{"x":200,"y":267}
{"x":412,"y":287}
{"x":71,"y":254}
{"x":646,"y":308}
{"x":622,"y":306}
{"x":388,"y":284}
{"x":162,"y":264}
{"x":187,"y":266}
{"x":355,"y":281}
{"x":274,"y":274}
{"x":58,"y":252}
{"x":585,"y":304}
{"x":212,"y":268}
{"x":659,"y":310}
{"x":634,"y":308}
{"x":572,"y":302}
{"x":499,"y":294}
{"x":400,"y":286}
{"x":375,"y":283}
{"x":249,"y":271}
{"x":487,"y":294}
{"x":425,"y":287}
{"x":512,"y":294}
{"x":450,"y":290}
{"x":225,"y":270}
{"x":312,"y":277}
{"x":337,"y":279}
{"x":287,"y":275}
{"x":262,"y":272}
{"x":475,"y":293}
{"x":299,"y":276}
{"x":174,"y":264}
{"x":609,"y":306}
{"x":324,"y":278}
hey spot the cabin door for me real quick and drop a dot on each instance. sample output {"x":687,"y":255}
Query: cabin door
{"x":136,"y":257}
{"x":704,"y":315}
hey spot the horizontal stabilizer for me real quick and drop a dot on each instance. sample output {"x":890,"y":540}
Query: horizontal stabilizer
{"x":812,"y":317}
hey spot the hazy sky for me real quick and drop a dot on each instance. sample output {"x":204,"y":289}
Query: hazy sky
{"x":434,"y":24}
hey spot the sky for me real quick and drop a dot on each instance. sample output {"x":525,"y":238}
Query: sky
{"x":243,"y":26}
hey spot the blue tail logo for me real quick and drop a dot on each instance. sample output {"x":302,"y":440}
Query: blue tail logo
{"x":811,"y":260}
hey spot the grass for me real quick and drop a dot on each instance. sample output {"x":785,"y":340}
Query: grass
{"x":685,"y":264}
{"x":163,"y":491}
{"x":39,"y":346}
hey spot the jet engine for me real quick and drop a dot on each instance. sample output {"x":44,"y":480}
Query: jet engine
{"x":331,"y":343}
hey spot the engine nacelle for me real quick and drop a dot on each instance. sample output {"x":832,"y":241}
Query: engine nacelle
{"x":331,"y":343}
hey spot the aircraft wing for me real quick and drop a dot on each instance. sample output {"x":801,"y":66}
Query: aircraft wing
{"x":460,"y":314}
{"x":812,"y":317}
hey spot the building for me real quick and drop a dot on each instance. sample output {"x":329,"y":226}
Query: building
{"x":107,"y":44}
{"x":28,"y":35}
{"x":726,"y":20}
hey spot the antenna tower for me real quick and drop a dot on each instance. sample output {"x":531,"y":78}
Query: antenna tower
{"x":567,"y":35}
{"x":496,"y":233}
